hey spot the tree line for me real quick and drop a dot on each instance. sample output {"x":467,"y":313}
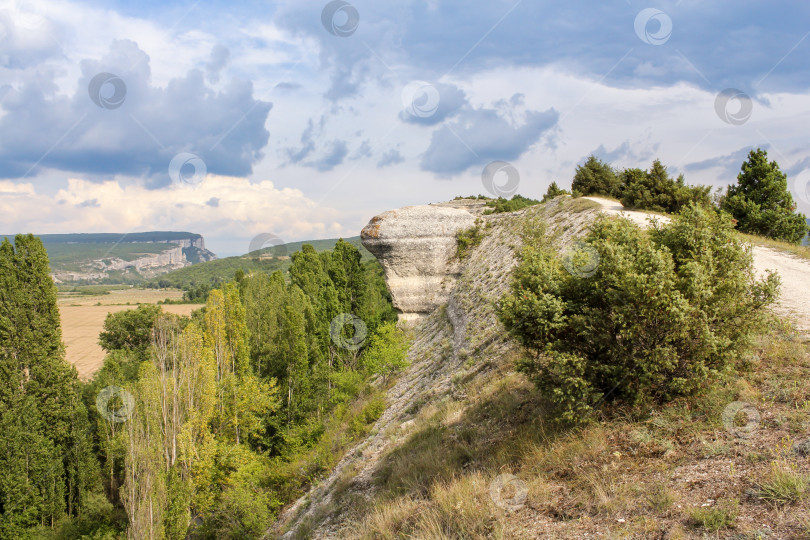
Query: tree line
{"x":759,"y":202}
{"x":194,"y":427}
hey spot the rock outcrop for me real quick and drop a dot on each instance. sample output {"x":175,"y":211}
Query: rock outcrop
{"x":416,"y":247}
{"x":459,"y":339}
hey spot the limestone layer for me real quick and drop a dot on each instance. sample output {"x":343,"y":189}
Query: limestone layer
{"x":416,"y":247}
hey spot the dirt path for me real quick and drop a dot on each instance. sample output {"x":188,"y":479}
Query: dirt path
{"x":794,"y":302}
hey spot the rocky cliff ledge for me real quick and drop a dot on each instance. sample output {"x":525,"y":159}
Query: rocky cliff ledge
{"x":416,"y":246}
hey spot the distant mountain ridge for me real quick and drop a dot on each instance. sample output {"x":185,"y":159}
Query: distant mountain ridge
{"x":121,"y":258}
{"x":266,"y":259}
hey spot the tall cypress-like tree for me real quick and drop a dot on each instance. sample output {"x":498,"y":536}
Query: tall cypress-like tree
{"x":38,"y":386}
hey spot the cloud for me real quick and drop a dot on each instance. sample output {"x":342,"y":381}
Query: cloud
{"x":91,"y":203}
{"x":334,"y":156}
{"x":297,"y":155}
{"x":242,"y":210}
{"x":362,"y":151}
{"x":137,"y":135}
{"x":392,"y":157}
{"x":479,"y":136}
{"x":627,"y":152}
{"x":219,"y":58}
{"x":429,"y":104}
{"x":330,"y":157}
{"x":729,"y":163}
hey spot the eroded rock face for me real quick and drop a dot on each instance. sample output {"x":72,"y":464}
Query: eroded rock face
{"x":416,"y":247}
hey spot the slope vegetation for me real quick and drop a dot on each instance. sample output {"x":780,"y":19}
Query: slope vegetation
{"x":465,"y":448}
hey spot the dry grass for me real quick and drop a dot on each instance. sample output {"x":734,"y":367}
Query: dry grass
{"x":798,"y":250}
{"x":461,"y":508}
{"x":669,"y":472}
{"x":784,"y":483}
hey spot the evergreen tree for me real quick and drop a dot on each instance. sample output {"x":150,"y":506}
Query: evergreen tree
{"x":41,"y":389}
{"x":656,"y":190}
{"x":553,"y":191}
{"x":595,"y":177}
{"x":761,"y":202}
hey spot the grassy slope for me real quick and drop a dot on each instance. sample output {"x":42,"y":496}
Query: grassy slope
{"x":672,"y":473}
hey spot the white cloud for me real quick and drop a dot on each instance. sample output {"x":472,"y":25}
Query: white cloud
{"x":244,"y":210}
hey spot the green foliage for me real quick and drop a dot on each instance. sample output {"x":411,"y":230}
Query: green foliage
{"x":644,"y":190}
{"x":595,"y":177}
{"x":387,"y":351}
{"x":467,"y":239}
{"x":517,"y":202}
{"x":199,"y":279}
{"x":46,"y":467}
{"x":715,"y":518}
{"x":554,"y":191}
{"x":130,"y":329}
{"x":761,"y":202}
{"x":224,"y":404}
{"x":661,"y":314}
{"x":656,"y":190}
{"x":474,"y":197}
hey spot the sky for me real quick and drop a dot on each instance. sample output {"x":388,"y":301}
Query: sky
{"x":304,"y":119}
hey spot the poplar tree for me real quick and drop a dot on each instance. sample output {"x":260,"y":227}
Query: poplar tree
{"x":43,"y":420}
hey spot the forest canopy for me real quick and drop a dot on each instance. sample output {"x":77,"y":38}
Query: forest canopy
{"x":200,"y":427}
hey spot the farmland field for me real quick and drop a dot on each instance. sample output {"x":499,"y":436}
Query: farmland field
{"x":83,"y":319}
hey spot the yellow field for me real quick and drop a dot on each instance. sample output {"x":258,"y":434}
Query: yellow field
{"x":83,"y":319}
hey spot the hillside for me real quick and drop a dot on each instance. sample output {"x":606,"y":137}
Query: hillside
{"x":266,"y":260}
{"x":121,"y":258}
{"x":465,"y":447}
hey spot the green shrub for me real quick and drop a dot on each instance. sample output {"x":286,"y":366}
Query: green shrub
{"x":500,"y":205}
{"x":633,"y":315}
{"x":554,"y":191}
{"x":656,"y":190}
{"x":468,"y":239}
{"x":387,"y":352}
